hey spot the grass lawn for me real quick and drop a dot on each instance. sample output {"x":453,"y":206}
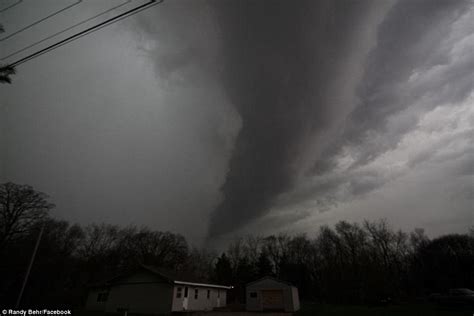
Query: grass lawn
{"x":309,"y":309}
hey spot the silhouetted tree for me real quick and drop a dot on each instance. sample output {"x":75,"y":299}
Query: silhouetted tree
{"x":157,"y":248}
{"x":54,"y":275}
{"x":223,"y":270}
{"x":200,"y":264}
{"x":349,"y":263}
{"x":277,"y":248}
{"x":418,"y":239}
{"x":388,"y":252}
{"x":243,"y":274}
{"x":264,"y":265}
{"x":447,"y":262}
{"x":21,"y":207}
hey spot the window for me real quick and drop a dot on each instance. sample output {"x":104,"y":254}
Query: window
{"x":208,"y":294}
{"x":102,"y":297}
{"x":186,"y":291}
{"x":253,"y":294}
{"x":196,"y":292}
{"x":179,"y":292}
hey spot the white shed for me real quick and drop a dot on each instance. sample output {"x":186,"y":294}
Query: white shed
{"x":270,"y":294}
{"x":150,"y":290}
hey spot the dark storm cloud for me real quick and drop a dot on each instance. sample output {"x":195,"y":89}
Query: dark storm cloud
{"x":408,"y":41}
{"x":108,"y":138}
{"x":278,"y":62}
{"x":278,"y":59}
{"x":414,"y":37}
{"x":250,"y":115}
{"x":184,"y":42}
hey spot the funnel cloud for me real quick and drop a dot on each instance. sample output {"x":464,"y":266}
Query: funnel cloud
{"x":217,"y":118}
{"x":279,"y":60}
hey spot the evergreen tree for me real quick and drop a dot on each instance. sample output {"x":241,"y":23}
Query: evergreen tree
{"x":223,"y":270}
{"x":264,"y":265}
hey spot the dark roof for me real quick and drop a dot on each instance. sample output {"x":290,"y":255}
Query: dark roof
{"x":183,"y":277}
{"x":172,"y":275}
{"x":271,"y":278}
{"x":169,"y":276}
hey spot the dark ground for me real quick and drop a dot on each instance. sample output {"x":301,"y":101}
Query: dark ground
{"x":313,"y":309}
{"x":421,"y":309}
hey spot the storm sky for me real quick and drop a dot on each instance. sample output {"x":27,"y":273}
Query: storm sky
{"x":218,"y":118}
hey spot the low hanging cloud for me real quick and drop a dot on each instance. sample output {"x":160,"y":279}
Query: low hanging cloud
{"x":419,"y":63}
{"x":279,"y":61}
{"x":422,"y":59}
{"x":327,"y":94}
{"x":415,"y":110}
{"x":214,"y":117}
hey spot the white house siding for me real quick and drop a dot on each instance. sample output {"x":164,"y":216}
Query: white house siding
{"x":177,"y":304}
{"x":223,"y":299}
{"x":289,"y":295}
{"x":202,"y":302}
{"x":296,"y":298}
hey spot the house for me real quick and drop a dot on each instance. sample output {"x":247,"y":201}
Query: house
{"x":149,"y":290}
{"x":270,"y":294}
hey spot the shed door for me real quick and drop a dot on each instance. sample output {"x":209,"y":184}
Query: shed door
{"x":272,"y":299}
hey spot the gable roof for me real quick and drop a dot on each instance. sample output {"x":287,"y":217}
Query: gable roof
{"x":171,"y":277}
{"x":270,"y":278}
{"x":183,"y":278}
{"x":167,"y":274}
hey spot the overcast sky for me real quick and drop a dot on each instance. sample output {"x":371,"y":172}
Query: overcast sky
{"x":219,"y":118}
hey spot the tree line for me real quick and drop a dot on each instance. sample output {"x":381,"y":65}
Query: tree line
{"x":348,"y":263}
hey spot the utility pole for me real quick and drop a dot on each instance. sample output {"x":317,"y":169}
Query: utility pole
{"x":29,"y":266}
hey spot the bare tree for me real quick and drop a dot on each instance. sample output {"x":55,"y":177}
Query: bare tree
{"x":200,"y":263}
{"x":235,"y":252}
{"x":277,"y":248}
{"x":253,"y":247}
{"x":99,"y":240}
{"x":156,"y":248}
{"x":21,"y":207}
{"x":418,"y":239}
{"x":382,"y":238}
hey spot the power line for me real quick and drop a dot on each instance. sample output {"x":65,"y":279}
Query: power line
{"x":39,"y":21}
{"x":87,"y":31}
{"x":11,"y":6}
{"x":65,"y":30}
